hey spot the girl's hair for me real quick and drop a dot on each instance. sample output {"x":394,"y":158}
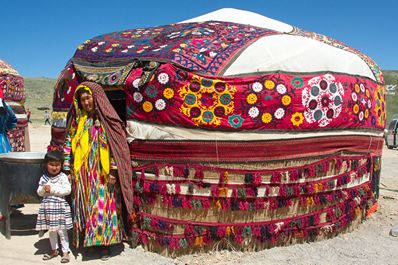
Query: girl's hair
{"x":54,"y":156}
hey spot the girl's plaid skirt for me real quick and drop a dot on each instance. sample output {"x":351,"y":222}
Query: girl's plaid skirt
{"x":54,"y":214}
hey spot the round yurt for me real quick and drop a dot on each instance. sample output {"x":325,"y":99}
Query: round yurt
{"x":12,"y":86}
{"x":244,"y":132}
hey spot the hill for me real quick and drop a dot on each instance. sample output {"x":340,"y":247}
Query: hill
{"x":39,"y":95}
{"x":391,"y":78}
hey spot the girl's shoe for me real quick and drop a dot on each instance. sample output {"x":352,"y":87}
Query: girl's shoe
{"x":53,"y":254}
{"x":65,"y":258}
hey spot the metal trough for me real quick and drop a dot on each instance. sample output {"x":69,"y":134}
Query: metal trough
{"x":19,"y":176}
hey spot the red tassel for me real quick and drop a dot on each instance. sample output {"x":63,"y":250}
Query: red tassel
{"x":266,"y":191}
{"x":205,"y":204}
{"x":147,"y":187}
{"x":221,"y":231}
{"x":311,"y":171}
{"x":257,"y":179}
{"x":222,"y":179}
{"x":214,"y":191}
{"x":234,"y":193}
{"x":338,"y":165}
{"x":156,"y":171}
{"x":294,"y":175}
{"x":142,"y":174}
{"x":276,"y":177}
{"x":282,"y":190}
{"x":178,"y":188}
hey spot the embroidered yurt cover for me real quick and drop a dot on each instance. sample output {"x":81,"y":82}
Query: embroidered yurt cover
{"x":241,"y":128}
{"x":13,"y":91}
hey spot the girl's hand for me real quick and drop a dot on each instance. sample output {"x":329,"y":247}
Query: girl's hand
{"x":47,"y":188}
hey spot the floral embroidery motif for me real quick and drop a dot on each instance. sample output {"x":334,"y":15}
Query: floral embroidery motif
{"x":322,"y":98}
{"x":380,"y":106}
{"x":361,"y":101}
{"x":206,"y":101}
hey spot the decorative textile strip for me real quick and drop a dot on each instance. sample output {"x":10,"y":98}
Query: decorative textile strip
{"x":325,"y":39}
{"x":214,"y":151}
{"x":108,"y":76}
{"x":17,"y":139}
{"x":190,"y":190}
{"x":276,"y":101}
{"x":199,"y":234}
{"x":65,"y":88}
{"x":13,"y":87}
{"x":207,"y":47}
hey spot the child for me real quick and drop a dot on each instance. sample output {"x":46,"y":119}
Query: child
{"x":54,"y":213}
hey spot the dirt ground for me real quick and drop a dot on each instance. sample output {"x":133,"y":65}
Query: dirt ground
{"x":369,"y":244}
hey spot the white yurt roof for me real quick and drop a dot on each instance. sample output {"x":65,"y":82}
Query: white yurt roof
{"x":286,"y":52}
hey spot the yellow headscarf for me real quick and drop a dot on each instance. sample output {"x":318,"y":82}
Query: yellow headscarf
{"x":80,"y":139}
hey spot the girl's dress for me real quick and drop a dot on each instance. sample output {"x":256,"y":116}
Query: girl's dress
{"x":54,"y":212}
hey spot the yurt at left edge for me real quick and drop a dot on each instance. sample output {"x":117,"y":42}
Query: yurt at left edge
{"x":12,"y":86}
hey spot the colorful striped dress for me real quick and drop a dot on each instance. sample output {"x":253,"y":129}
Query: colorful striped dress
{"x":96,"y":205}
{"x":54,"y":212}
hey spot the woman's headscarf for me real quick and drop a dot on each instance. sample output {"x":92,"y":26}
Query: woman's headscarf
{"x":116,"y":135}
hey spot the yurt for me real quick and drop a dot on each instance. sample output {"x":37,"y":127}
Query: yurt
{"x":12,"y":86}
{"x":244,"y":132}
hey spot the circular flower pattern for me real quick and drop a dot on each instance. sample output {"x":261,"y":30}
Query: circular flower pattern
{"x":257,"y":87}
{"x":253,"y":112}
{"x":163,"y":78}
{"x":281,"y":89}
{"x":168,"y":93}
{"x":151,"y":91}
{"x":136,"y":82}
{"x":147,"y":106}
{"x":266,"y":118}
{"x":279,"y":113}
{"x":362,"y":101}
{"x":286,"y":100}
{"x":322,"y":99}
{"x":206,"y":101}
{"x":354,"y":96}
{"x":297,"y":119}
{"x":269,"y":84}
{"x":297,"y":82}
{"x":160,"y":104}
{"x":251,"y":98}
{"x":137,"y":97}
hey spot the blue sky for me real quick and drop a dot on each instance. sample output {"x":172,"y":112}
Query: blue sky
{"x":39,"y":37}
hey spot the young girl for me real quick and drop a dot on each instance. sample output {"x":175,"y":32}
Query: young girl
{"x":54,"y":213}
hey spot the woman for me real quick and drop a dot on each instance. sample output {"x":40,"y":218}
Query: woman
{"x":98,"y":161}
{"x":8,"y":120}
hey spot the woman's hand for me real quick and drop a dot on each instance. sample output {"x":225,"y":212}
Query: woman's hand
{"x":112,"y":179}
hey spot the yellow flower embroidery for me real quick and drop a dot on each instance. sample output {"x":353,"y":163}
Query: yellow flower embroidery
{"x":356,"y":108}
{"x":147,"y":106}
{"x":357,"y":88}
{"x":266,"y":117}
{"x":269,"y":84}
{"x":251,"y":98}
{"x":286,"y":100}
{"x":366,"y":113}
{"x":168,"y":93}
{"x":297,"y":119}
{"x":367,"y":93}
